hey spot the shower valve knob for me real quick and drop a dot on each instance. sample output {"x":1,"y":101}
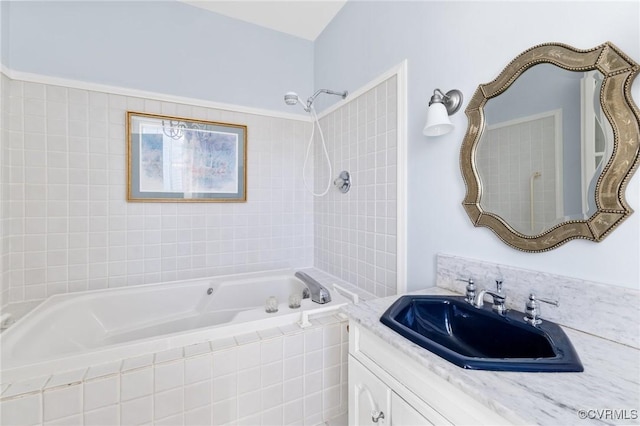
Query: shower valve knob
{"x":343,"y":182}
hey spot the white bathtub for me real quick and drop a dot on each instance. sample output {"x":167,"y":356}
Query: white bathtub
{"x":73,"y":331}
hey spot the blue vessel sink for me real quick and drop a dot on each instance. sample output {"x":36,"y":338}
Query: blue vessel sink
{"x":479,"y":338}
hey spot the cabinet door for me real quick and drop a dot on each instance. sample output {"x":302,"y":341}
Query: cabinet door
{"x":404,"y":414}
{"x":369,"y":397}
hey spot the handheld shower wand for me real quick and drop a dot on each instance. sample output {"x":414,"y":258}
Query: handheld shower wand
{"x":292,"y":98}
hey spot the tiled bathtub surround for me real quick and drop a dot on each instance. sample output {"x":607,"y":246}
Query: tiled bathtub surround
{"x":280,"y":376}
{"x":355,"y":233}
{"x":602,"y":310}
{"x":66,"y":225}
{"x":4,"y":187}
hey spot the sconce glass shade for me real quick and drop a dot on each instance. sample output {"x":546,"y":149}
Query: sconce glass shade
{"x":438,"y":122}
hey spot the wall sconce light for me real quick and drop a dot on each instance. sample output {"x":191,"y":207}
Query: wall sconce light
{"x":441,"y":106}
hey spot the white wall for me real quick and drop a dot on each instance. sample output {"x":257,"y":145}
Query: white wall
{"x":159,"y":46}
{"x":4,"y":33}
{"x":461,"y":45}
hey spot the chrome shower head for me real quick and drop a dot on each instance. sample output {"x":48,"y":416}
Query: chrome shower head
{"x":291,"y":98}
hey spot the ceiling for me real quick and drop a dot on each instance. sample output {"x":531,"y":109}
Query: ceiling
{"x":301,"y":18}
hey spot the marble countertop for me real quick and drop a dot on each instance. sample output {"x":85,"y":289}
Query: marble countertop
{"x":610,"y":381}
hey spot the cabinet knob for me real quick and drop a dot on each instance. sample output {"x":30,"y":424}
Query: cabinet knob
{"x":376,"y":415}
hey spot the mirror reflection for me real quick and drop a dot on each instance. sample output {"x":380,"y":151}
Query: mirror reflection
{"x":545,"y":142}
{"x":551,"y":144}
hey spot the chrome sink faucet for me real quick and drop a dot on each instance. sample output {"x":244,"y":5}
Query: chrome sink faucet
{"x":499,"y":298}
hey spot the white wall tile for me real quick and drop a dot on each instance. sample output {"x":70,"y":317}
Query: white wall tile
{"x":198,"y":395}
{"x":66,"y":421}
{"x":313,"y":339}
{"x":26,"y":410}
{"x":168,"y":403}
{"x":62,"y":402}
{"x":312,"y":408}
{"x":273,"y":417}
{"x":272,"y":397}
{"x":177,"y":420}
{"x":101,"y":392}
{"x":248,"y":380}
{"x":249,"y":403}
{"x":199,"y":416}
{"x":248,"y":355}
{"x":169,"y":375}
{"x":293,"y":345}
{"x":137,"y":411}
{"x":197,"y":368}
{"x":293,"y":367}
{"x":225,"y":362}
{"x":271,"y":350}
{"x":225,"y":412}
{"x":272,"y":373}
{"x":135,"y":384}
{"x":293,"y":412}
{"x":312,"y":361}
{"x":107,"y":416}
{"x":293,"y":389}
{"x":224,"y":387}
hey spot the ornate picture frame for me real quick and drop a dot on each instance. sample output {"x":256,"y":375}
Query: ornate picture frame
{"x":176,"y":159}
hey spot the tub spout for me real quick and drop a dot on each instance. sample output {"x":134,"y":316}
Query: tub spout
{"x":319,"y":293}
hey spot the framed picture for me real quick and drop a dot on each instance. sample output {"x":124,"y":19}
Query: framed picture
{"x":173,"y":159}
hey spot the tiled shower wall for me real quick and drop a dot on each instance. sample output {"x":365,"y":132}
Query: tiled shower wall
{"x":66,"y":224}
{"x":4,"y":186}
{"x":355,"y":233}
{"x":507,"y":183}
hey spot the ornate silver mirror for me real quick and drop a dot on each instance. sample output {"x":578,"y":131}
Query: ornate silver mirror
{"x":551,"y":145}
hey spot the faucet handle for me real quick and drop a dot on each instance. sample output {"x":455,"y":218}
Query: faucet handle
{"x":471,"y":290}
{"x":532,"y":309}
{"x":499,"y":286}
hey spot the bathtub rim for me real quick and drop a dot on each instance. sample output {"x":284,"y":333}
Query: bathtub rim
{"x":72,"y":295}
{"x":151,"y":345}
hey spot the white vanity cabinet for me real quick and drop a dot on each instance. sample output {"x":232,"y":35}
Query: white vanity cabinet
{"x":387,"y":387}
{"x":372,"y":402}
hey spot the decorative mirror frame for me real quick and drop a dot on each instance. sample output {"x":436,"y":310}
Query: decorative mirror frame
{"x":619,"y":71}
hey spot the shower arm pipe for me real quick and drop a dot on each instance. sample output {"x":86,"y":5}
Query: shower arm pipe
{"x":327,"y":91}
